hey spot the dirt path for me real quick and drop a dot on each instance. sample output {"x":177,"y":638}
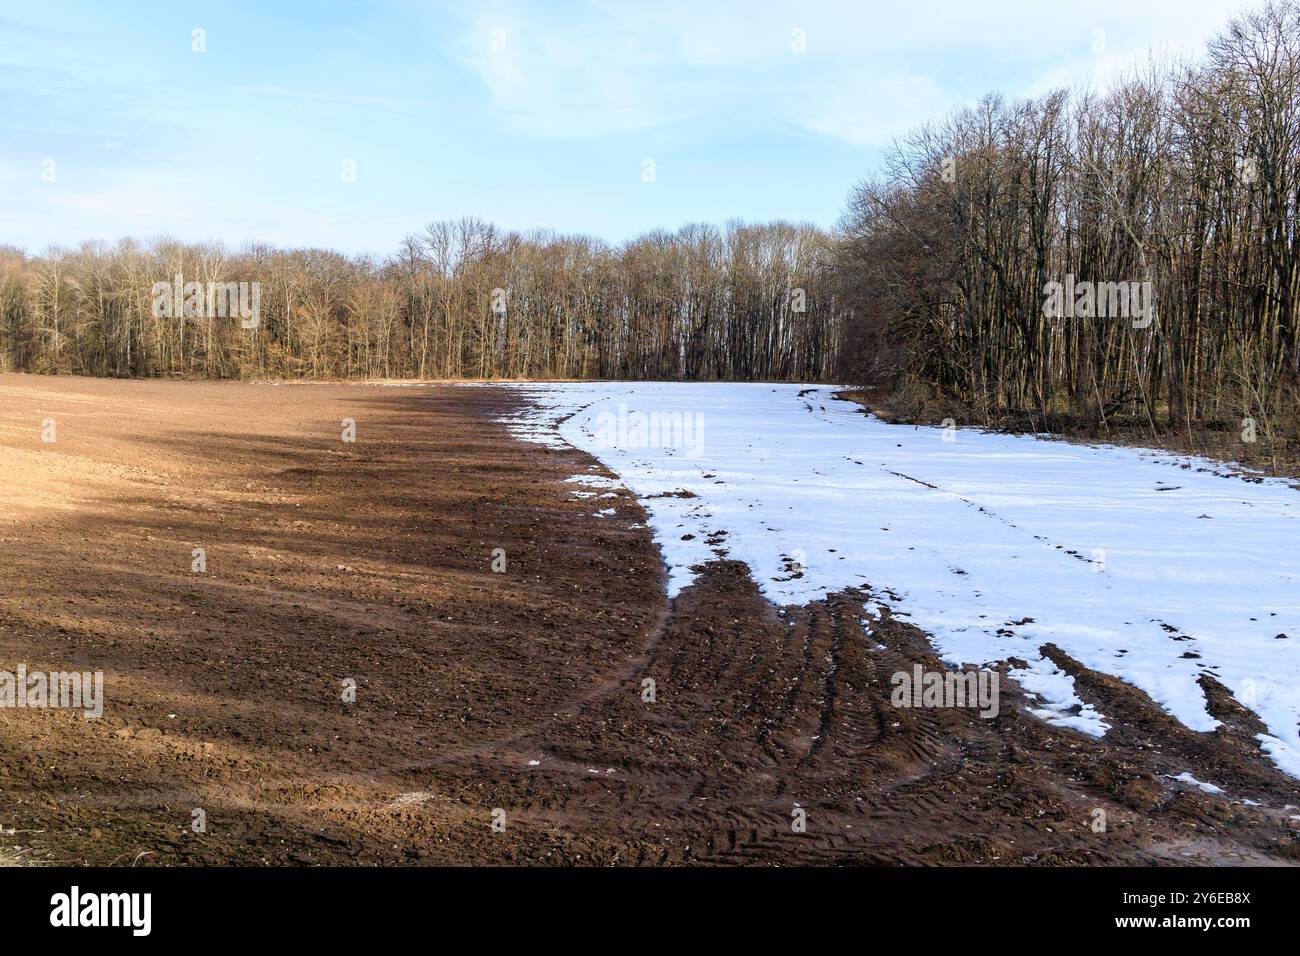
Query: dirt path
{"x":371,"y":561}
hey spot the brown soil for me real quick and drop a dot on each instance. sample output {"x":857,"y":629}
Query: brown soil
{"x":372,"y":561}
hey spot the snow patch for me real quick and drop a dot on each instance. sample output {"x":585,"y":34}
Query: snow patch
{"x":1150,"y":567}
{"x":1198,"y":784}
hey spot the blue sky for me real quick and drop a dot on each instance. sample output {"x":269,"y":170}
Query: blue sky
{"x":529,"y":114}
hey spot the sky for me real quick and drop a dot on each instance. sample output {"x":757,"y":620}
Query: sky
{"x":349,"y":125}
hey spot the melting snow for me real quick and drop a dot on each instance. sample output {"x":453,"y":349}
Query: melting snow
{"x":1199,"y":784}
{"x":595,"y":481}
{"x":1149,"y":567}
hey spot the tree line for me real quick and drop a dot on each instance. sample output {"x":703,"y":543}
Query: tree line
{"x":1180,"y":182}
{"x":460,"y":300}
{"x":1130,"y":254}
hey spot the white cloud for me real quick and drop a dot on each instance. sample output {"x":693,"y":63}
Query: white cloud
{"x":866,"y":110}
{"x":868,"y":72}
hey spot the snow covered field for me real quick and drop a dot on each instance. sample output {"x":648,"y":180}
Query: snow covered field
{"x":1138,"y":564}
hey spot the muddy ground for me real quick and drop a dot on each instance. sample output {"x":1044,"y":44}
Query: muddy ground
{"x":371,"y":562}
